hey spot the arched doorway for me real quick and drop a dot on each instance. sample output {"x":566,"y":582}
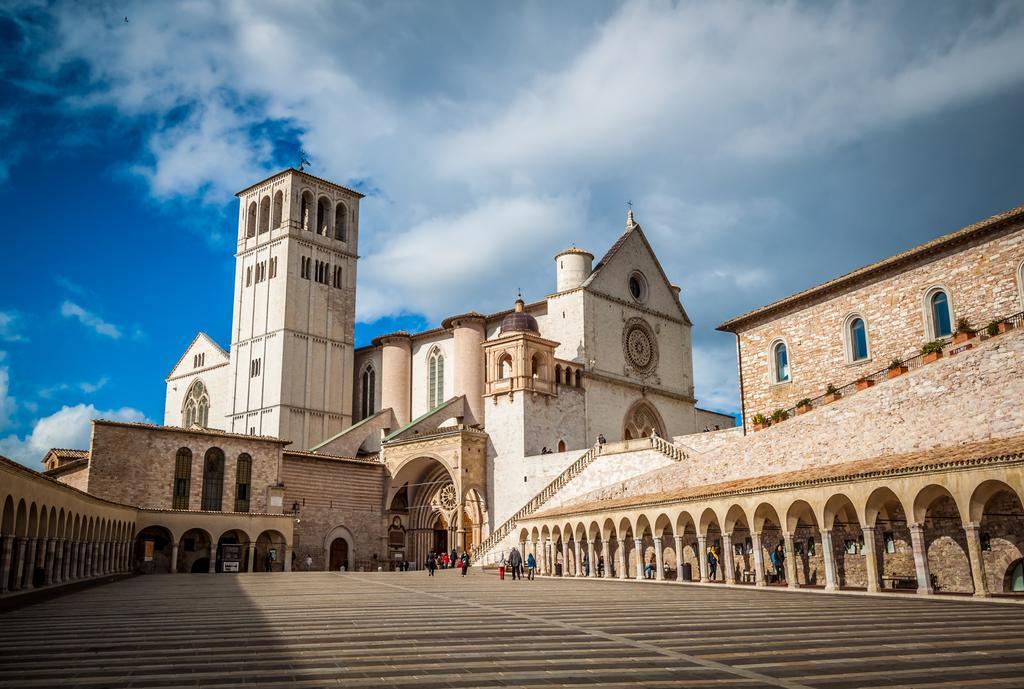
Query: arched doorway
{"x":271,"y":552}
{"x":233,"y":552}
{"x":641,"y":421}
{"x":153,"y":551}
{"x":1015,"y":578}
{"x":425,"y":495}
{"x":440,"y":542}
{"x":338,"y":555}
{"x":194,"y":552}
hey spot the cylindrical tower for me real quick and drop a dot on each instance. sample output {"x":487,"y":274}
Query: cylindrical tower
{"x":573,"y":268}
{"x":396,"y":380}
{"x":468,"y":332}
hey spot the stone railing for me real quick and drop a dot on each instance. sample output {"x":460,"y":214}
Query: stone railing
{"x":673,"y":452}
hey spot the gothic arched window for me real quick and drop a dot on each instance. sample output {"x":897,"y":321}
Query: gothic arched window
{"x":435,"y":379}
{"x":369,"y":384}
{"x":213,"y":480}
{"x":340,"y":227}
{"x":196,"y":408}
{"x":275,"y":220}
{"x":264,"y":214}
{"x":323,"y":212}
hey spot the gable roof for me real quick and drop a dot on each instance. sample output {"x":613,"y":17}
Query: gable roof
{"x":935,"y":246}
{"x":195,"y":339}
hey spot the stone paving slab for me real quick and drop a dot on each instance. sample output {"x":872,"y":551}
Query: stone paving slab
{"x":321,"y":629}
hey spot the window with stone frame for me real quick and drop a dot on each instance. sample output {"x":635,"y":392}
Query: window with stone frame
{"x":779,"y":362}
{"x":213,"y":480}
{"x":857,"y":338}
{"x":243,"y":479}
{"x":369,"y":383}
{"x":196,"y":408}
{"x":182,"y":479}
{"x":435,"y":379}
{"x":940,"y":314}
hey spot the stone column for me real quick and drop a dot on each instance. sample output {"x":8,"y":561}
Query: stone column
{"x":755,"y":539}
{"x":679,"y":557}
{"x":924,"y":575}
{"x":579,"y":559}
{"x":87,"y":560}
{"x":592,"y":555}
{"x":6,"y":560}
{"x":791,"y":581}
{"x":19,"y":564}
{"x":51,"y":547}
{"x":396,"y":382}
{"x":639,"y":545}
{"x":213,"y":558}
{"x":622,"y":558}
{"x":973,"y":532}
{"x":252,"y":557}
{"x":659,"y":563}
{"x":728,"y":561}
{"x":30,"y":564}
{"x":69,"y":563}
{"x":174,"y":559}
{"x":829,"y":553}
{"x":58,"y":562}
{"x":871,"y":558}
{"x":468,"y":373}
{"x":702,"y":558}
{"x":607,"y":555}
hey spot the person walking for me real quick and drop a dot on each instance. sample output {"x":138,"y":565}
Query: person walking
{"x":453,"y":561}
{"x":586,"y":564}
{"x":308,"y":562}
{"x":444,"y":560}
{"x":712,"y":563}
{"x":464,"y":562}
{"x":531,"y":566}
{"x":515,"y":563}
{"x":779,"y":563}
{"x":431,"y":564}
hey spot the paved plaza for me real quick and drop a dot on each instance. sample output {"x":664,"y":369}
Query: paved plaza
{"x":383,"y":630}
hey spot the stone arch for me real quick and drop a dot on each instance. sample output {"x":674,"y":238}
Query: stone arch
{"x":840,"y":517}
{"x":996,"y":514}
{"x":195,"y":551}
{"x":250,"y":220}
{"x":808,"y":559}
{"x":435,"y":505}
{"x":306,"y":211}
{"x":272,"y":552}
{"x":158,"y":556}
{"x":641,"y":419}
{"x":278,"y":209}
{"x":336,"y":556}
{"x":264,"y":214}
{"x":341,"y":222}
{"x":945,"y":541}
{"x":323,"y":216}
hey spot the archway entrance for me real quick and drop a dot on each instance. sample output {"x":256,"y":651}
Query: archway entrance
{"x":339,"y":554}
{"x":440,"y":535}
{"x":233,"y":552}
{"x":153,"y":550}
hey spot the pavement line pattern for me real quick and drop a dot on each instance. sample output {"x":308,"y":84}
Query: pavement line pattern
{"x":321,"y":629}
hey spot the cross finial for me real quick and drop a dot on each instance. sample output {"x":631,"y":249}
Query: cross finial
{"x":303,"y":162}
{"x":629,"y":215}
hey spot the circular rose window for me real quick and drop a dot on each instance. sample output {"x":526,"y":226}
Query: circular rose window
{"x":448,"y":498}
{"x":640,"y":345}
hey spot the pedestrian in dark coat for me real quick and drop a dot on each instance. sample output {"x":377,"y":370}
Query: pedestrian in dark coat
{"x":465,"y":563}
{"x":431,"y":563}
{"x":515,"y":563}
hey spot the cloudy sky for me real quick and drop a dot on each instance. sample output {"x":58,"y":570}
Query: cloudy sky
{"x":766,"y":147}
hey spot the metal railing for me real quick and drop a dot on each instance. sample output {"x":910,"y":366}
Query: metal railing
{"x":910,"y":364}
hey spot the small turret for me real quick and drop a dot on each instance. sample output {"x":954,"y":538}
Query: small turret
{"x":573,"y":268}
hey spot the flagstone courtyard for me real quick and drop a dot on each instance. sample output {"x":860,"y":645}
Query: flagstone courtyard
{"x":402,"y":630}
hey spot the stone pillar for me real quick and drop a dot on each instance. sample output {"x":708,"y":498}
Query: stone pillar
{"x":871,"y":558}
{"x":791,"y":581}
{"x":87,"y":560}
{"x":174,"y":559}
{"x":69,"y":564}
{"x":19,"y":564}
{"x":607,"y":555}
{"x":213,"y":558}
{"x":755,"y":539}
{"x":30,"y":564}
{"x":468,"y":375}
{"x":702,"y":558}
{"x":639,"y":545}
{"x":579,"y":559}
{"x":622,"y":558}
{"x":728,"y":561}
{"x":51,"y":547}
{"x":973,"y":532}
{"x":252,"y":557}
{"x":6,"y":561}
{"x":287,"y":558}
{"x":924,"y":575}
{"x":679,"y":557}
{"x":396,"y":375}
{"x":829,"y":553}
{"x":57,"y":577}
{"x":659,"y":563}
{"x":592,"y":555}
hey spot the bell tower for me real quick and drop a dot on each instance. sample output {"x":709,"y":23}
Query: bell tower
{"x":294,"y":308}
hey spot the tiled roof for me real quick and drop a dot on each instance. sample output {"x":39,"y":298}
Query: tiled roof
{"x":301,"y":172}
{"x":938,"y":244}
{"x":371,"y":459}
{"x":64,"y":453}
{"x":193,"y":430}
{"x":1003,"y":449}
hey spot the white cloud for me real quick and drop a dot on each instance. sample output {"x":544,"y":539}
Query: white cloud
{"x":7,"y":402}
{"x":11,"y":327}
{"x":90,"y":320}
{"x":68,"y":427}
{"x":84,"y":386}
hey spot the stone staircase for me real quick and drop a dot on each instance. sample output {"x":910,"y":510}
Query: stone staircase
{"x":559,"y":482}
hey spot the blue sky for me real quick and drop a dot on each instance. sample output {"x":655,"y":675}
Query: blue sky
{"x":766,"y":147}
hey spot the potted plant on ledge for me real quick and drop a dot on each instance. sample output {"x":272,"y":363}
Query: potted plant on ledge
{"x":831,"y":394}
{"x":998,"y":327}
{"x":964,"y":332}
{"x":896,"y":368}
{"x":932,"y":351}
{"x":803,"y":406}
{"x":779,"y":415}
{"x":863,"y":383}
{"x":760,"y":422}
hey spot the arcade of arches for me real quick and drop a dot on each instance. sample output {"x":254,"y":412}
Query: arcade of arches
{"x":941,"y":521}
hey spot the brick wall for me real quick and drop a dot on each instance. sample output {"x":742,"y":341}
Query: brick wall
{"x":981,"y":281}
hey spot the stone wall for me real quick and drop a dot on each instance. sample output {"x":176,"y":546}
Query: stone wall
{"x":337,"y":498}
{"x":135,"y":464}
{"x":980,"y":279}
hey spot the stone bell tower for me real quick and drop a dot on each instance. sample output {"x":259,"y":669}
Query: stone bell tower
{"x":294,"y":308}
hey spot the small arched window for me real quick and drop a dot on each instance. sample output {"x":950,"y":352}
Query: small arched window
{"x":182,"y":479}
{"x":558,"y":373}
{"x":780,"y":363}
{"x":579,"y":381}
{"x":275,"y":220}
{"x":435,"y":379}
{"x":340,"y":227}
{"x":1020,"y":284}
{"x":264,"y":214}
{"x":306,"y":210}
{"x":858,"y":335}
{"x":941,"y":316}
{"x":561,"y":446}
{"x":243,"y":479}
{"x":323,"y":212}
{"x":505,"y":367}
{"x":537,"y":366}
{"x":369,"y":380}
{"x":250,"y":221}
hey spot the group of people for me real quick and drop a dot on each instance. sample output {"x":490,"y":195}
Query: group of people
{"x":514,"y":564}
{"x":446,"y":561}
